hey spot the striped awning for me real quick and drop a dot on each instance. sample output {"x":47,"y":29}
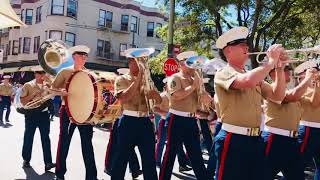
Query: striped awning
{"x":9,"y":70}
{"x":31,"y":68}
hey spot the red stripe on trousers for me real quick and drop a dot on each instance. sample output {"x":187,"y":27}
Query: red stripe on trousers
{"x":165,"y":159}
{"x":59,"y":142}
{"x":224,"y":155}
{"x":305,"y":140}
{"x":106,"y":160}
{"x":270,"y":139}
{"x":159,"y":135}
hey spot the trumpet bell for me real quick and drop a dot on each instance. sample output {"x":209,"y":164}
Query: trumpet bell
{"x":139,"y":52}
{"x":53,"y":56}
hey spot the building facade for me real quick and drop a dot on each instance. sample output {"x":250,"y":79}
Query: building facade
{"x":108,"y":27}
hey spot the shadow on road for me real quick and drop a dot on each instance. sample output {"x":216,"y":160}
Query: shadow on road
{"x":31,"y":174}
{"x":6,"y":125}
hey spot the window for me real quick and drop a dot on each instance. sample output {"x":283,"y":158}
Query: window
{"x":36,"y":44}
{"x":9,"y":48}
{"x":102,"y":17}
{"x":124,"y":22}
{"x":70,"y":39}
{"x":109,"y":17}
{"x":104,"y":49}
{"x":57,"y":7}
{"x":15,"y":47}
{"x":20,"y":45}
{"x":53,"y":34}
{"x":26,"y":45}
{"x":159,"y":25}
{"x":29,"y":13}
{"x":123,"y":47}
{"x":72,"y":8}
{"x":134,"y":22}
{"x":150,"y":29}
{"x":22,"y":14}
{"x":38,"y":14}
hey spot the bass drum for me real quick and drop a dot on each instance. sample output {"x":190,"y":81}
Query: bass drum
{"x":90,"y":100}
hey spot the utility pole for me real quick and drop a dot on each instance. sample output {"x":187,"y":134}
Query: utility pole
{"x":170,"y":28}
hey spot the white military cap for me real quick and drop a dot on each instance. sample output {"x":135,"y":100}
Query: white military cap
{"x":123,"y":70}
{"x":165,"y":80}
{"x":205,"y":80}
{"x":232,"y":36}
{"x":304,"y":66}
{"x":79,"y":48}
{"x":185,"y":55}
{"x":7,"y":77}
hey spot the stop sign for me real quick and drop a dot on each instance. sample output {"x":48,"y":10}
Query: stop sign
{"x":170,"y":66}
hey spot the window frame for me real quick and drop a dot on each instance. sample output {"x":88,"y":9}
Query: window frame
{"x":15,"y":42}
{"x":52,"y":5}
{"x":108,"y":22}
{"x":50,"y":31}
{"x":20,"y":45}
{"x":22,"y":15}
{"x":122,"y":24}
{"x":26,"y":51}
{"x":135,"y":25}
{"x":100,"y":18}
{"x":74,"y":38}
{"x":38,"y":14}
{"x":36,"y":44}
{"x":76,"y":10}
{"x":9,"y":48}
{"x":27,"y":16}
{"x":120,"y":50}
{"x":148,"y":35}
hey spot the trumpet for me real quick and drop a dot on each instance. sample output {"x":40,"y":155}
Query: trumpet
{"x":307,"y":52}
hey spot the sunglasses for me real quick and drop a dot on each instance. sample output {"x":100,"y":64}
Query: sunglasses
{"x":81,"y":53}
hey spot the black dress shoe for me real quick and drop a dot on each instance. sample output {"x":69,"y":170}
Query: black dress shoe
{"x":107,"y":171}
{"x":49,"y":166}
{"x":26,"y":164}
{"x":136,"y":174}
{"x":184,"y":168}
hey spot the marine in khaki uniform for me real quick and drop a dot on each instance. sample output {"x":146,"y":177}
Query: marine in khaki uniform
{"x":162,"y":109}
{"x":135,"y":126}
{"x":280,"y":132}
{"x":79,"y":56}
{"x":36,"y":119}
{"x":237,"y":145}
{"x":309,"y":128}
{"x":183,"y":88}
{"x":6,"y":91}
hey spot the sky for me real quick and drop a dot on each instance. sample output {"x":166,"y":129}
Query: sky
{"x":149,"y":3}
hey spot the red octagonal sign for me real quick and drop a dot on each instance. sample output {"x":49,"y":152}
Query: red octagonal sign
{"x":170,"y":66}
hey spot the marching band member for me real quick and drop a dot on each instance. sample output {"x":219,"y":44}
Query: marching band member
{"x":309,"y":129}
{"x":79,"y":56}
{"x":36,"y":119}
{"x":280,"y":131}
{"x":162,"y":109}
{"x":112,"y":148}
{"x":183,"y":90}
{"x":6,"y":91}
{"x":135,"y":126}
{"x":238,"y":146}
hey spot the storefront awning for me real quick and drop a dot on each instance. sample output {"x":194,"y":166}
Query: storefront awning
{"x":9,"y":70}
{"x":30,"y":68}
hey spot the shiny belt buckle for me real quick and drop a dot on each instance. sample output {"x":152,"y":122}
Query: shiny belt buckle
{"x":293,"y":134}
{"x":253,"y":132}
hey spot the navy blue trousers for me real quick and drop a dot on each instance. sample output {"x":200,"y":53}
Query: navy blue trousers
{"x":66,"y":131}
{"x":183,"y":130}
{"x":5,"y":104}
{"x":310,"y":146}
{"x":135,"y":131}
{"x":183,"y":160}
{"x":212,"y":162}
{"x":32,"y":122}
{"x":113,"y":148}
{"x":238,"y":156}
{"x":282,"y":153}
{"x":206,"y":134}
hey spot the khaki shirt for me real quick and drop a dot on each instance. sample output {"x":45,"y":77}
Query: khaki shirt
{"x":6,"y":90}
{"x":164,"y":106}
{"x":137,"y":103}
{"x":239,"y":107}
{"x":216,"y":105}
{"x":32,"y":87}
{"x":283,"y":116}
{"x":310,"y":113}
{"x":189,"y":103}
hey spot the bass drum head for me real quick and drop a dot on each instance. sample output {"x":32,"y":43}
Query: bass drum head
{"x":81,"y":99}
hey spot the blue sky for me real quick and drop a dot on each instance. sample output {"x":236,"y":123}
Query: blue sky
{"x":149,"y":3}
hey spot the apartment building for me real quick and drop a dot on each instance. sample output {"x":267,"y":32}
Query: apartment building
{"x":108,"y":27}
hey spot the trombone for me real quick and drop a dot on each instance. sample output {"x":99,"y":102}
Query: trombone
{"x":307,"y":52}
